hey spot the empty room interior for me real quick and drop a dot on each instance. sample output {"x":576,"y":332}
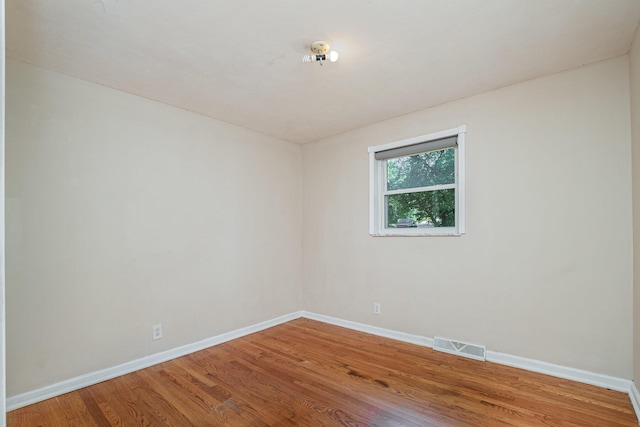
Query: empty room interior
{"x":182,"y":175}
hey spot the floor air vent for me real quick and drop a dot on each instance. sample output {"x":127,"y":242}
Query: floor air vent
{"x":459,"y":348}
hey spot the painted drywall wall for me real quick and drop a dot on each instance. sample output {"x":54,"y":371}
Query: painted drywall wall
{"x":634,"y":70}
{"x":545,"y":269}
{"x":3,"y":370}
{"x":123,"y":213}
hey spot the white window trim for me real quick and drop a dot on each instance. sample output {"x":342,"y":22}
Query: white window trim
{"x":377,"y":178}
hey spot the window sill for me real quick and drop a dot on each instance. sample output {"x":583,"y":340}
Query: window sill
{"x":416,"y":233}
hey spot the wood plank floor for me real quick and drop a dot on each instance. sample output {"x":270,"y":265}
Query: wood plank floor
{"x":308,"y":373}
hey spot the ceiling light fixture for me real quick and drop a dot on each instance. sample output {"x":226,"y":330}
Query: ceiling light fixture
{"x":320,"y":49}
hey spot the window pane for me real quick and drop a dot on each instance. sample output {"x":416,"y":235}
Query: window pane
{"x":421,"y":209}
{"x":421,"y":170}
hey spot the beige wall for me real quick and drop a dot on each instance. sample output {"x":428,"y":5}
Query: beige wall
{"x":123,"y":213}
{"x":3,"y":364}
{"x":545,"y":269}
{"x":635,"y":132}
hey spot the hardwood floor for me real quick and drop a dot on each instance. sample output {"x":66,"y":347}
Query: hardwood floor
{"x":311,"y":374}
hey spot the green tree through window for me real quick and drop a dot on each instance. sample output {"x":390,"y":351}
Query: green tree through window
{"x":422,"y":204}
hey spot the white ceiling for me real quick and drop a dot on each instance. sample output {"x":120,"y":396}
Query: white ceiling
{"x":240,"y":60}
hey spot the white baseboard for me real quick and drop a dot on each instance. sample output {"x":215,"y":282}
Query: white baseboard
{"x":635,"y":399}
{"x":373,"y":330}
{"x":76,"y":383}
{"x":96,"y":377}
{"x":559,"y":371}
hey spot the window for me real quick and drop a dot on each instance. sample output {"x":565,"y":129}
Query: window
{"x":417,"y":186}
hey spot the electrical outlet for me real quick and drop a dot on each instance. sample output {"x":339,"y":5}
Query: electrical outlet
{"x":376,"y":308}
{"x":157,"y":332}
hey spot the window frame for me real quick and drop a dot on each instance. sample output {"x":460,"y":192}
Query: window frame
{"x":378,"y":185}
